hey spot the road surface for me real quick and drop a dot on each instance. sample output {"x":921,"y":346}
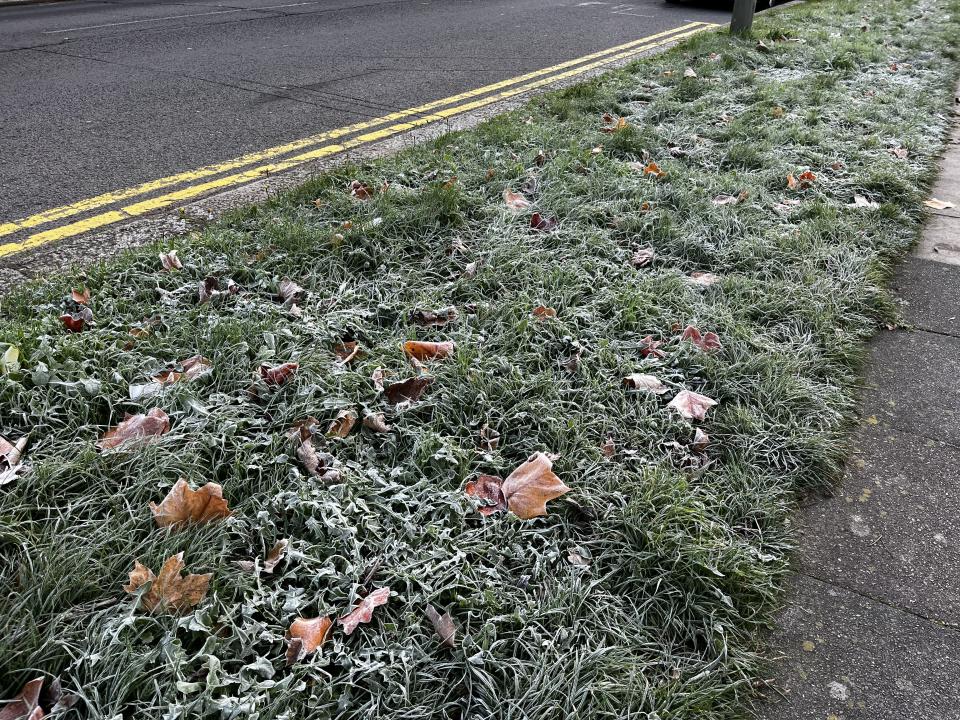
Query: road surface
{"x":100,"y":96}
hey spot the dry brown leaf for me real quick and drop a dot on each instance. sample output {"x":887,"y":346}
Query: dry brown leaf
{"x":444,"y":626}
{"x":702,"y":279}
{"x":376,"y":422}
{"x":136,"y":430}
{"x":700,"y":441}
{"x":306,"y":635}
{"x":407,"y":391}
{"x":651,"y":168}
{"x":11,"y":456}
{"x":289,"y":291}
{"x":642,"y":381}
{"x":377,"y":377}
{"x":434,"y":318}
{"x":363,"y":612}
{"x":342,"y":424}
{"x":542,"y":223}
{"x":360,"y":191}
{"x":182,"y":505}
{"x":704,"y":341}
{"x":317,"y":464}
{"x":691,"y":405}
{"x":488,"y":489}
{"x":489,"y":438}
{"x":170,"y":262}
{"x":608,"y":448}
{"x":643,"y":257}
{"x":191,"y":369}
{"x":209,"y":288}
{"x":515,"y":201}
{"x":274,"y":557}
{"x":278,"y":374}
{"x":651,"y":348}
{"x":935,"y":204}
{"x":542,"y":312}
{"x":26,"y":704}
{"x":81,"y":297}
{"x":420,"y":350}
{"x":169,"y":592}
{"x":346,"y":351}
{"x":528,"y":488}
{"x":900,"y":152}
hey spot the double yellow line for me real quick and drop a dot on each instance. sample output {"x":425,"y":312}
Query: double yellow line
{"x":412,"y":118}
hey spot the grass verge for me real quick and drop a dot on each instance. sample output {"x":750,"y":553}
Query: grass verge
{"x":645,"y":591}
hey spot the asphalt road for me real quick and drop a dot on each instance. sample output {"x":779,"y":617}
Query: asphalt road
{"x":97,"y":96}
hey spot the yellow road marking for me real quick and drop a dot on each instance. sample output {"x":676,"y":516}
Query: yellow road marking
{"x":64,"y":211}
{"x":146,"y":206}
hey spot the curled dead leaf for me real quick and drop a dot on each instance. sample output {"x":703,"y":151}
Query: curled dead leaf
{"x":642,"y":381}
{"x":136,"y":430}
{"x":39,"y":698}
{"x":689,"y":73}
{"x":278,"y":374}
{"x":170,"y":262}
{"x":515,"y":201}
{"x":608,"y":448}
{"x":169,"y":592}
{"x":420,"y":350}
{"x":11,"y":456}
{"x":643,"y":257}
{"x":346,"y":351}
{"x":288,"y":291}
{"x":306,"y":635}
{"x":489,"y":438}
{"x":209,"y":289}
{"x":183,"y":505}
{"x":651,"y":348}
{"x":274,"y":557}
{"x":702,"y":279}
{"x":363,"y":612}
{"x":443,"y":625}
{"x":691,"y":405}
{"x":377,"y":377}
{"x":700,"y":441}
{"x":542,"y":223}
{"x":78,"y":321}
{"x":542,"y":312}
{"x":434,"y":318}
{"x":407,"y":391}
{"x":488,"y":490}
{"x":376,"y":422}
{"x":651,"y":168}
{"x":859,"y":201}
{"x":81,"y":297}
{"x":342,"y":424}
{"x":360,"y":191}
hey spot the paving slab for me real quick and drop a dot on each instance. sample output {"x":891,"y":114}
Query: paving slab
{"x":890,"y":531}
{"x":912,"y":385}
{"x":846,"y":657}
{"x":941,"y":239}
{"x":930,"y":295}
{"x":947,"y":186}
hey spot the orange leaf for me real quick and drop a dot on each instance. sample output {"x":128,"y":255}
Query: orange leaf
{"x":81,"y":297}
{"x":182,"y":505}
{"x":652,"y":168}
{"x":791,"y":181}
{"x":306,"y":635}
{"x":169,"y":592}
{"x":363,"y":613}
{"x":342,"y":424}
{"x":528,"y":488}
{"x":136,"y":430}
{"x":542,"y":312}
{"x":419,"y":350}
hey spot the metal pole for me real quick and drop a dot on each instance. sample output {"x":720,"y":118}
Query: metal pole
{"x":742,"y":15}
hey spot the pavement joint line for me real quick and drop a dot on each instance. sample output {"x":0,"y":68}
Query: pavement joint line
{"x":950,"y":626}
{"x":141,"y":208}
{"x":112,"y":197}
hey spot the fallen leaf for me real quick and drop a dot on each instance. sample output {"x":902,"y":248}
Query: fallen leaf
{"x":342,"y":424}
{"x":77,"y":322}
{"x":376,"y":422}
{"x":576,"y":558}
{"x":306,"y":635}
{"x":318,"y":464}
{"x":608,"y":448}
{"x":806,"y":178}
{"x":274,"y":557}
{"x":611,"y":126}
{"x":10,"y":360}
{"x":700,"y":441}
{"x":360,"y":191}
{"x":859,"y":201}
{"x":170,"y":262}
{"x":444,"y":626}
{"x":288,"y":290}
{"x":542,"y":224}
{"x":190,"y":369}
{"x":346,"y":351}
{"x":702,"y":279}
{"x":643,"y":257}
{"x":278,"y":374}
{"x":471,"y":269}
{"x":786,"y":205}
{"x":363,"y":612}
{"x":169,"y":592}
{"x":528,"y":488}
{"x":651,"y":348}
{"x":542,"y":312}
{"x":598,"y":150}
{"x":689,"y":73}
{"x":691,"y":405}
{"x":183,"y":506}
{"x":377,"y":377}
{"x":407,"y":391}
{"x":487,"y":489}
{"x":11,"y":456}
{"x":642,"y":381}
{"x":26,"y":704}
{"x":899,"y":152}
{"x":515,"y":201}
{"x":935,"y":204}
{"x":731,"y":199}
{"x":791,"y":181}
{"x":209,"y":289}
{"x":777,"y":112}
{"x":540,"y":158}
{"x":136,"y":430}
{"x":706,"y":341}
{"x":652,"y":168}
{"x":81,"y":297}
{"x":490,"y":174}
{"x":762,"y":46}
{"x":489,"y":438}
{"x":572,"y":363}
{"x":420,"y":350}
{"x":434,"y":318}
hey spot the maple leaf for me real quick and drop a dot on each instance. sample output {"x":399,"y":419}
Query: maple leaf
{"x":434,"y":318}
{"x":419,"y":350}
{"x":691,"y":405}
{"x":528,"y":488}
{"x":10,"y":458}
{"x":651,"y":348}
{"x":306,"y":635}
{"x":342,"y":425}
{"x":487,"y":489}
{"x":363,"y":613}
{"x":276,"y":554}
{"x":706,"y":341}
{"x":542,"y":224}
{"x":515,"y":201}
{"x":136,"y":430}
{"x":542,"y":312}
{"x":169,"y":592}
{"x":183,"y":506}
{"x":702,"y":279}
{"x":376,"y":422}
{"x":651,"y":168}
{"x":170,"y":262}
{"x":278,"y":374}
{"x":288,"y":291}
{"x":81,"y":297}
{"x":643,"y":257}
{"x":443,"y":624}
{"x":407,"y":391}
{"x":641,"y":381}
